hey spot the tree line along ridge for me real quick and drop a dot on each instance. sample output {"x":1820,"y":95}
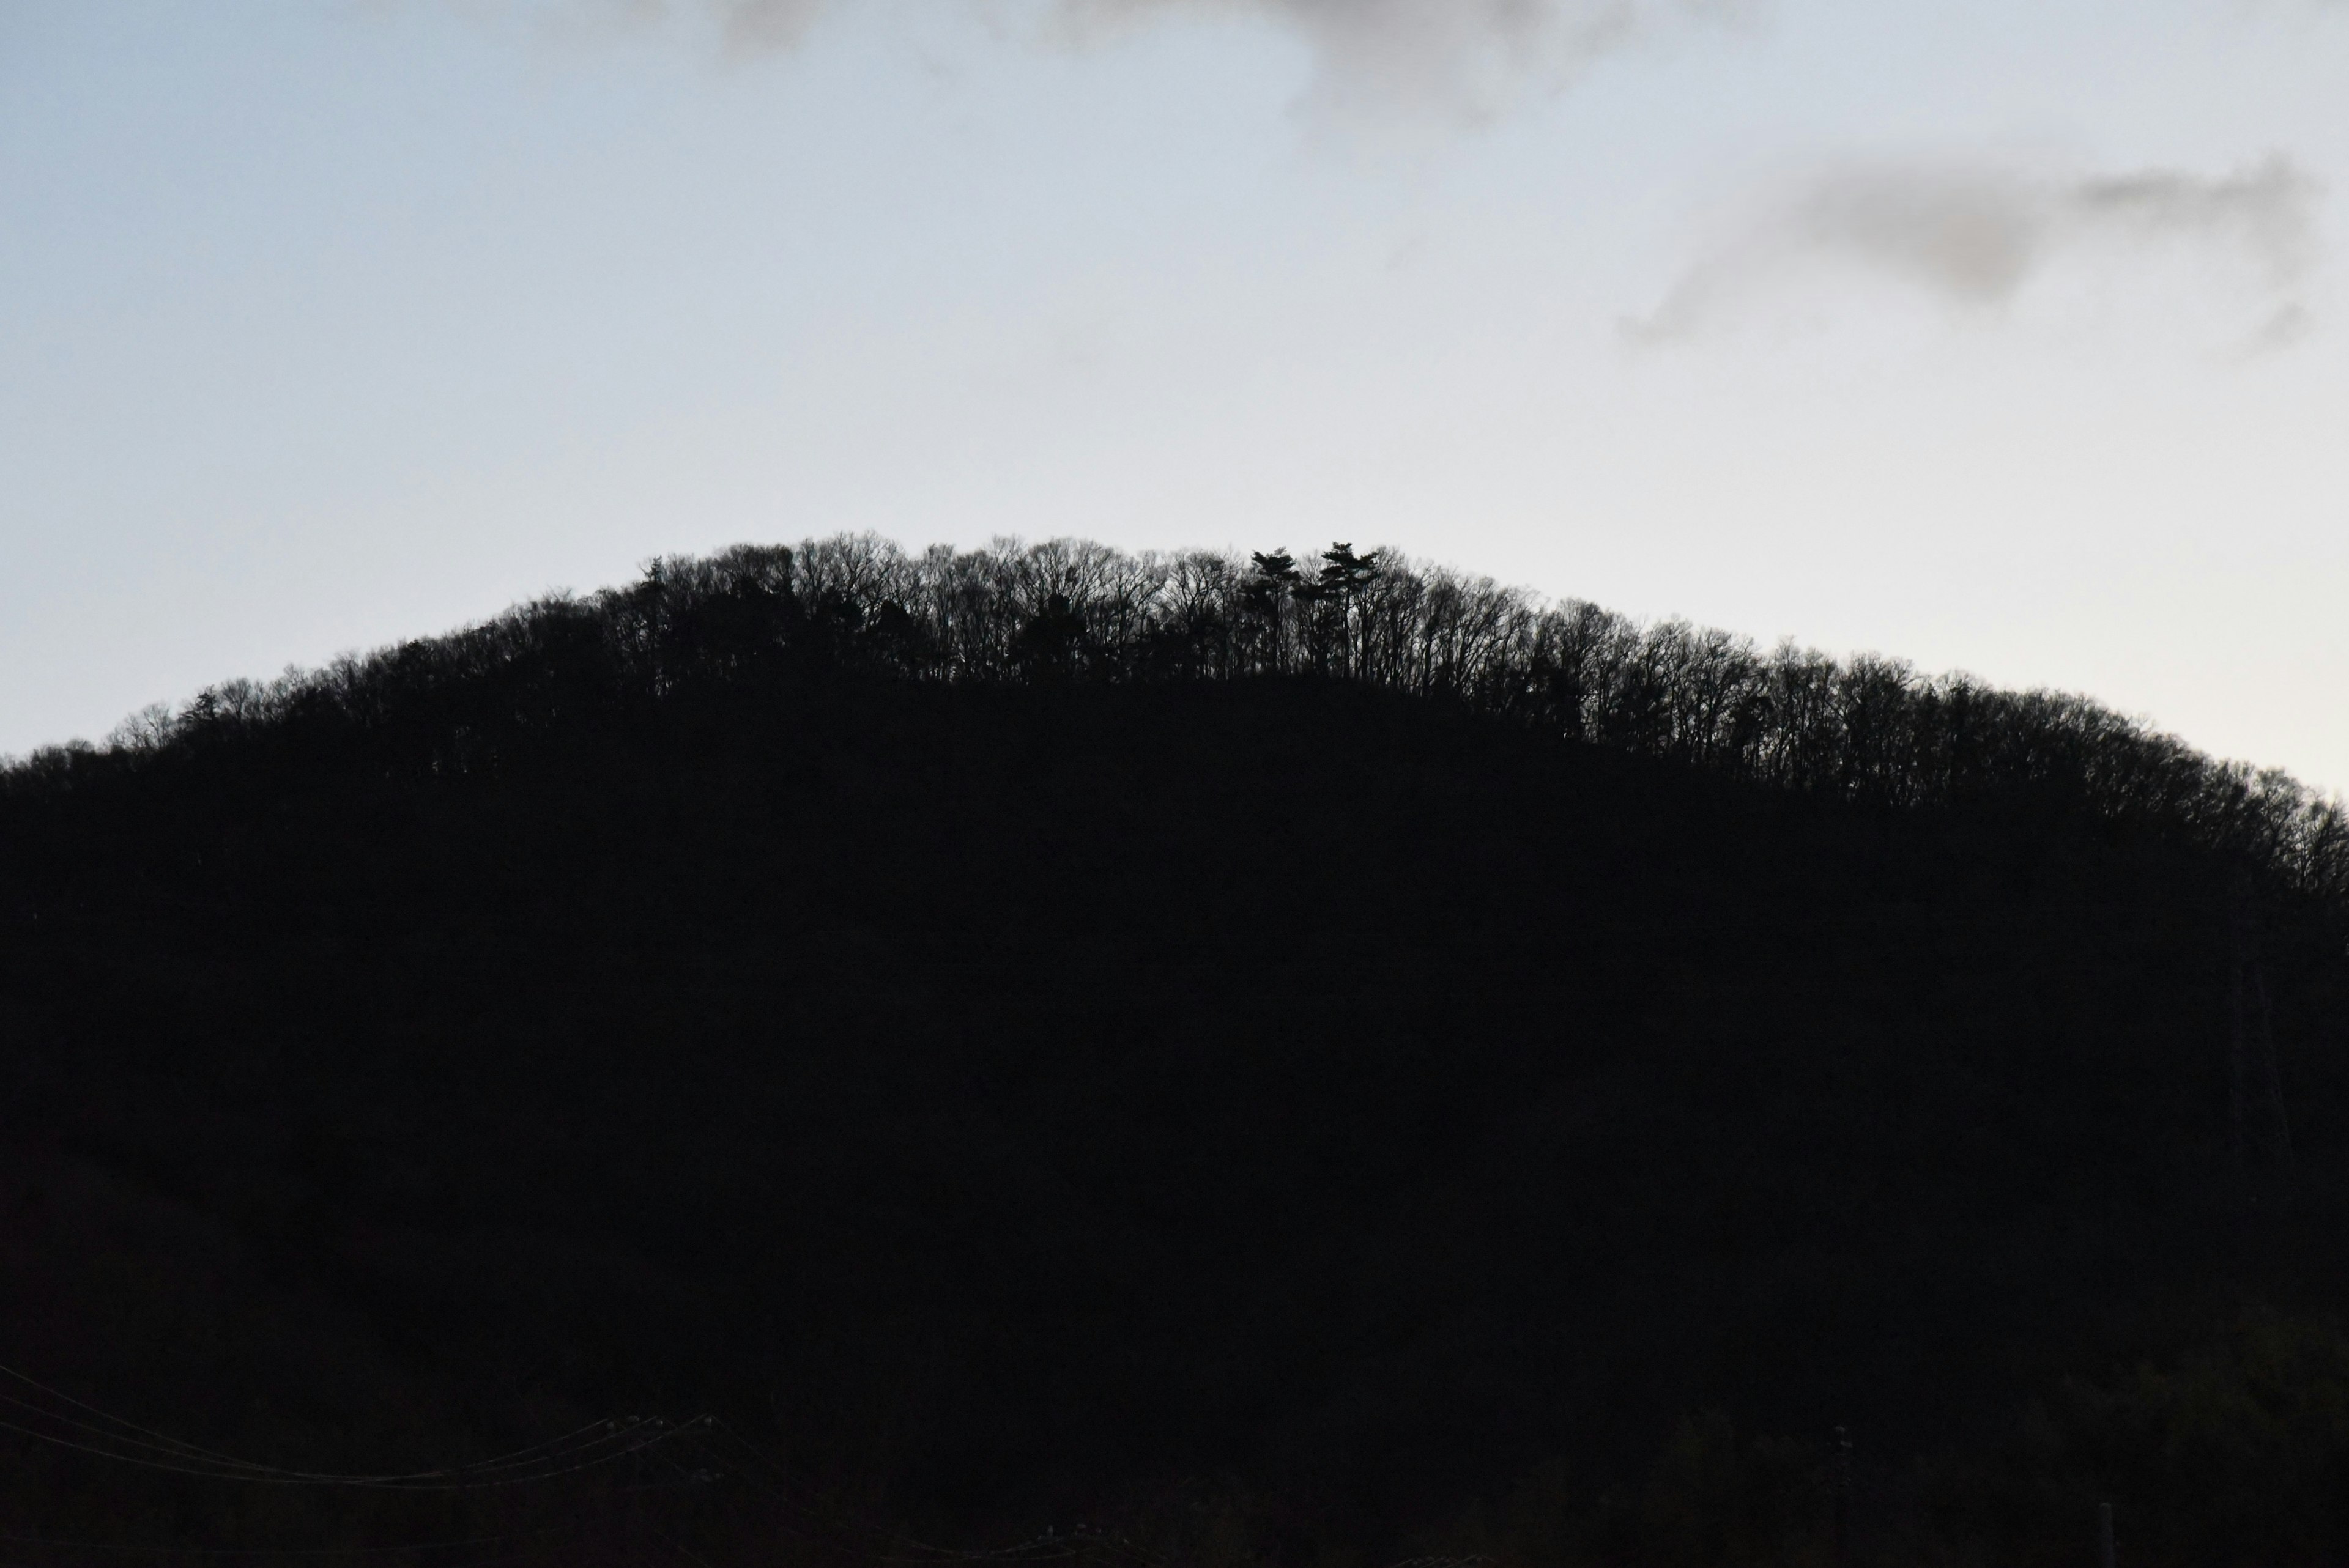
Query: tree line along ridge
{"x":1868,"y":729}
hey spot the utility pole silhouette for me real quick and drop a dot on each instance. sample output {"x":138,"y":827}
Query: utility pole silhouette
{"x":2264,"y":1130}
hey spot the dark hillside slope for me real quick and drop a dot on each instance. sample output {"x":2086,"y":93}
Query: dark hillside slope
{"x":1005,"y":1100}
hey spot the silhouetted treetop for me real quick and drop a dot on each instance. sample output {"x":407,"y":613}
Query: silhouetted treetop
{"x":1869,"y":729}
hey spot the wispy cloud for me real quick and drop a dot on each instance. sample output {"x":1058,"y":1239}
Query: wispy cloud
{"x":744,"y":26}
{"x":768,"y":24}
{"x":1978,"y":236}
{"x":1446,"y":57}
{"x":1453,"y":58}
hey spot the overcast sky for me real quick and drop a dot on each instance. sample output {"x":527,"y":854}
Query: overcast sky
{"x":2006,"y":336}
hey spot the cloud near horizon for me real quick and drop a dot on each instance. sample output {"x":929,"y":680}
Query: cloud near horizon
{"x":1977,"y":237}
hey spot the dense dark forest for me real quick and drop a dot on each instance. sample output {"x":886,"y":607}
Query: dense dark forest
{"x":832,"y":1056}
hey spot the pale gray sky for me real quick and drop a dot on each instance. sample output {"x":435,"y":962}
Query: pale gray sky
{"x":2002,"y":335}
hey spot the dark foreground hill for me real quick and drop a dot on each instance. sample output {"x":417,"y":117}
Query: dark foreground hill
{"x":1279,"y":1111}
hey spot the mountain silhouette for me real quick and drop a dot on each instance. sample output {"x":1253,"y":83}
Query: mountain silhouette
{"x":1215,"y":1059}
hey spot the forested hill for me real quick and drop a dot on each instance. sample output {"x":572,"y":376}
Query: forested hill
{"x":1277,"y":1062}
{"x":1870,"y":730}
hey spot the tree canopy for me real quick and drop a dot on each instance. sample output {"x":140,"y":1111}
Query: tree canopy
{"x":1869,"y":729}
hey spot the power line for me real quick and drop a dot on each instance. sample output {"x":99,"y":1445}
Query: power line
{"x":103,"y":1435}
{"x":584,"y":1448}
{"x":273,"y":1552}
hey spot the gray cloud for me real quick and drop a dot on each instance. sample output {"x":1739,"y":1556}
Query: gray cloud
{"x":1451,"y":57}
{"x":768,"y":24}
{"x":1976,"y":237}
{"x":745,"y":26}
{"x":1446,"y":56}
